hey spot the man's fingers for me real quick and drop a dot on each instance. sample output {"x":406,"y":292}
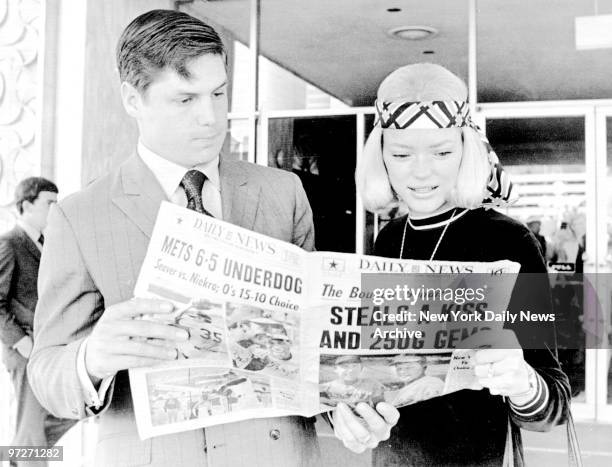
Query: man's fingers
{"x":144,"y":349}
{"x":151,"y":330}
{"x":127,"y":362}
{"x":137,"y":307}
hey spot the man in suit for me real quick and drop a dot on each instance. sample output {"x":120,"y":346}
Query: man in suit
{"x":19,"y":260}
{"x":174,"y":83}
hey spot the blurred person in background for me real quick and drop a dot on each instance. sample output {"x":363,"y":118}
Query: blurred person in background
{"x":535,"y":224}
{"x":20,"y":250}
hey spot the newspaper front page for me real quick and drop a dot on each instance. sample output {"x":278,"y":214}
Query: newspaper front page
{"x":391,"y":327}
{"x":252,"y":351}
{"x":274,"y":330}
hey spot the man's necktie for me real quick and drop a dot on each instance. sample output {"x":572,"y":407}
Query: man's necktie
{"x":41,"y":239}
{"x":192,"y":183}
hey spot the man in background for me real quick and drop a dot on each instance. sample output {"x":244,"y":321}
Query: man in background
{"x":535,"y":223}
{"x":20,"y":251}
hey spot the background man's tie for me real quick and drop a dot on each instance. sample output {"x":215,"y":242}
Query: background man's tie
{"x":192,"y":183}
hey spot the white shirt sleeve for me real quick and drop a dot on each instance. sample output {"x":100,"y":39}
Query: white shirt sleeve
{"x":93,"y":398}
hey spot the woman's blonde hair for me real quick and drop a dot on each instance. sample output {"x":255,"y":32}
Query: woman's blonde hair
{"x":422,"y":82}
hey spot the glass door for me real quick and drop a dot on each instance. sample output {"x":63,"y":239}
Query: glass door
{"x":602,"y":261}
{"x":549,"y":153}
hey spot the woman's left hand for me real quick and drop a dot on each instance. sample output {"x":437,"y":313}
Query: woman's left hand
{"x":503,"y":371}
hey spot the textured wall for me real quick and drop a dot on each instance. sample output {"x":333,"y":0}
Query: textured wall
{"x":19,"y":27}
{"x":19,"y":41}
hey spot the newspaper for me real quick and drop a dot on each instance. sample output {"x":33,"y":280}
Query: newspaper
{"x":402,"y":349}
{"x":274,"y":330}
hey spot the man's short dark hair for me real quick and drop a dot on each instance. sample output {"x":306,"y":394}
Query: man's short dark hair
{"x":162,"y":39}
{"x":28,"y":189}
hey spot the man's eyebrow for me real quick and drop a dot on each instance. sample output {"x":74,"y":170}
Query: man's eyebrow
{"x":185,"y":92}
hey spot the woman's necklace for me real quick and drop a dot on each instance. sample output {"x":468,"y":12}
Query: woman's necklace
{"x":433,"y":253}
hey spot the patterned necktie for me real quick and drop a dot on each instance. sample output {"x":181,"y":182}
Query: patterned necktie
{"x":192,"y":183}
{"x":41,"y":239}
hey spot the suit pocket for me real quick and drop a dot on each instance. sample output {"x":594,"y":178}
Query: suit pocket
{"x":123,"y":450}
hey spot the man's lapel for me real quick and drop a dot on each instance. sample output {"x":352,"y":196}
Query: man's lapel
{"x":138,"y":194}
{"x":239,"y":196}
{"x":28,"y":243}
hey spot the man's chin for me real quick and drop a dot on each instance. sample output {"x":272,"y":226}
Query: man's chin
{"x":204,"y":155}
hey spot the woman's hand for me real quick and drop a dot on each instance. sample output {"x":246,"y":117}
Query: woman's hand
{"x":503,"y":370}
{"x":359,"y":433}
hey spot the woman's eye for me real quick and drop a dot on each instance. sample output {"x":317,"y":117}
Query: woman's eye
{"x":219,"y":94}
{"x":401,"y":156}
{"x":186,"y":100}
{"x":444,"y":153}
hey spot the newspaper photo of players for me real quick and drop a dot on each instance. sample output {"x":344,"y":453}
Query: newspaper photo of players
{"x":398,"y":379}
{"x":262,"y":340}
{"x":185,"y":394}
{"x":203,"y":320}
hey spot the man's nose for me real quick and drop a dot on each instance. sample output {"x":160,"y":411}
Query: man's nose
{"x":205,"y":113}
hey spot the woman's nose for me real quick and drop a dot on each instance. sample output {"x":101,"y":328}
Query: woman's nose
{"x":421,"y":166}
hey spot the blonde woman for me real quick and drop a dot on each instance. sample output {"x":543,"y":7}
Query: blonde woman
{"x":425,"y":159}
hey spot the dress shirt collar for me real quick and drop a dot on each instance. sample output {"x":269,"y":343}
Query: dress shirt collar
{"x":32,"y":232}
{"x":169,"y":174}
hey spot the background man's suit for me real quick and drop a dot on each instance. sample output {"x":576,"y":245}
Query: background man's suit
{"x":96,"y":241}
{"x":19,"y":261}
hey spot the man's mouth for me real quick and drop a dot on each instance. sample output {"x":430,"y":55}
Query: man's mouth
{"x":205,"y":137}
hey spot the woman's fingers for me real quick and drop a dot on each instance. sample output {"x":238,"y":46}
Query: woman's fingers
{"x":368,"y":428}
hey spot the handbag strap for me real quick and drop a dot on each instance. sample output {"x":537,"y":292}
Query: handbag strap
{"x":573,"y":448}
{"x":509,"y":449}
{"x":574,"y":457}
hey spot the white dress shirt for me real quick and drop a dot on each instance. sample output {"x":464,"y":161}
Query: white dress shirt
{"x":169,"y":176}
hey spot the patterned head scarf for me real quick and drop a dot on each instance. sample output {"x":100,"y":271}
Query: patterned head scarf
{"x":447,"y":114}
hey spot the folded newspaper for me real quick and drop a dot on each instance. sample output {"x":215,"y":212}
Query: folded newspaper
{"x":275,"y":330}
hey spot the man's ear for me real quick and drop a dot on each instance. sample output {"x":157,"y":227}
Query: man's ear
{"x":131,"y":98}
{"x":26,"y":206}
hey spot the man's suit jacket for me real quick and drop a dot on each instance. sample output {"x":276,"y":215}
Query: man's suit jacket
{"x":95,"y":243}
{"x":19,"y":260}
